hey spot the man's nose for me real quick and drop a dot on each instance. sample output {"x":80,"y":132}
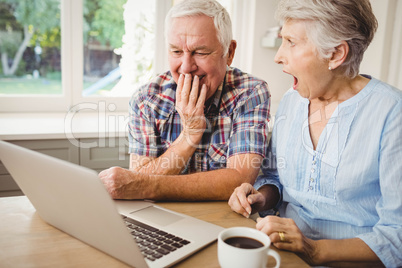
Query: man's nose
{"x":188,"y":64}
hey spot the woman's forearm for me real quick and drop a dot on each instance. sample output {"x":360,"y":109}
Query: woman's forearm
{"x":345,"y":252}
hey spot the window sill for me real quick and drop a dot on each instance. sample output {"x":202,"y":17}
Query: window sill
{"x":41,"y":126}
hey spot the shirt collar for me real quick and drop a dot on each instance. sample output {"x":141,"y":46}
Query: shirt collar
{"x":212,"y":104}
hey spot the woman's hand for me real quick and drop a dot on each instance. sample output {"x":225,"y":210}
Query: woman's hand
{"x":285,"y":235}
{"x":246,"y":200}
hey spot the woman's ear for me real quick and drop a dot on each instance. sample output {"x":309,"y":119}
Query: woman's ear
{"x":231,"y":52}
{"x":339,"y":55}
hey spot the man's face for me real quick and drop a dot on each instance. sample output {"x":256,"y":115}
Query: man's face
{"x":194,"y":49}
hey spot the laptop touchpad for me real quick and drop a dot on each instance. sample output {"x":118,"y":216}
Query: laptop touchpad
{"x":157,"y":215}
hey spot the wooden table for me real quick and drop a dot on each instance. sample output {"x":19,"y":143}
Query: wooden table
{"x":27,"y":241}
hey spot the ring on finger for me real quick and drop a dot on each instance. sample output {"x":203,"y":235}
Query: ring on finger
{"x":282,"y":236}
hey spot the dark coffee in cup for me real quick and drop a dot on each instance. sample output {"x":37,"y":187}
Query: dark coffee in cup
{"x":243,"y":242}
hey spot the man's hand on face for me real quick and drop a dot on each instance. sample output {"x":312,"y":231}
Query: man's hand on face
{"x":190,"y":103}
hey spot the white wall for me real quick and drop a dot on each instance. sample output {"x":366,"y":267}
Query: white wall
{"x":377,"y":57}
{"x":264,"y":65}
{"x":382,"y":60}
{"x":257,"y":17}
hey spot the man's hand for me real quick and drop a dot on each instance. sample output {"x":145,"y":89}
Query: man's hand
{"x":190,"y":106}
{"x":124,"y":184}
{"x":246,"y":200}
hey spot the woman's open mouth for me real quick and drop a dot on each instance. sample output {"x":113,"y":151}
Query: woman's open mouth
{"x":295,"y":80}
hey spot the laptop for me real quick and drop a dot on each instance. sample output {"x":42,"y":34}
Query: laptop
{"x":73,"y":199}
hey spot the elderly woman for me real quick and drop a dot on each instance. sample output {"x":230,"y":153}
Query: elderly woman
{"x":334,"y":170}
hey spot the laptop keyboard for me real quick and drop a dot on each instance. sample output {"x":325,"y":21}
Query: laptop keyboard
{"x":153,"y":243}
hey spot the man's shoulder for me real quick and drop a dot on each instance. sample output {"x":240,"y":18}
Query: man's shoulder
{"x":158,"y":84}
{"x":237,"y":79}
{"x":158,"y":95}
{"x":242,"y":86}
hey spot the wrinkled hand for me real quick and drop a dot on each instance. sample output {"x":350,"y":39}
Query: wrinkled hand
{"x":190,"y":106}
{"x":292,"y":240}
{"x":246,"y":200}
{"x":122,"y":183}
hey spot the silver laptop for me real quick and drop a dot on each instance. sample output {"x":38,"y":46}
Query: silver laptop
{"x":73,"y":199}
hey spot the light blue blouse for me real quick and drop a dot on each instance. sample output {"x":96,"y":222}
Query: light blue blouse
{"x":351,"y":185}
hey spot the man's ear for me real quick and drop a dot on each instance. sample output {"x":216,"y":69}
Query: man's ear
{"x":339,"y":55}
{"x":231,"y":52}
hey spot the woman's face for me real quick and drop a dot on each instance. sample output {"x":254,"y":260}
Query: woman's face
{"x":299,"y":58}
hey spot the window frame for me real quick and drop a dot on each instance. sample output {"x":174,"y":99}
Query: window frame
{"x":72,"y":64}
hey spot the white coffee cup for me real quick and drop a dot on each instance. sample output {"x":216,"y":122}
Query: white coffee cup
{"x":232,"y":256}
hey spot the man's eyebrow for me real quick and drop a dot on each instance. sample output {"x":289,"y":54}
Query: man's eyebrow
{"x":201,"y":48}
{"x":171,"y":46}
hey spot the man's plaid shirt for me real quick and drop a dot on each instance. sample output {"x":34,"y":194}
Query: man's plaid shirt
{"x":237,"y":120}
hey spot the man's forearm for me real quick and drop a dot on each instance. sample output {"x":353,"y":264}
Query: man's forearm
{"x":172,"y":162}
{"x":210,"y":185}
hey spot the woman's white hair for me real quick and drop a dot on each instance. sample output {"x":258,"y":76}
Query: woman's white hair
{"x":329,"y":22}
{"x":210,"y":8}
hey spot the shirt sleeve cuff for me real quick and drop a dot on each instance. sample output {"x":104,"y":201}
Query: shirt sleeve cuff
{"x":263,"y":180}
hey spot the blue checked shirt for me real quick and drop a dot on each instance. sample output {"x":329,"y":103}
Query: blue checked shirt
{"x":351,"y":184}
{"x":237,"y":120}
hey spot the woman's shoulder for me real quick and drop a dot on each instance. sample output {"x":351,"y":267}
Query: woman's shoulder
{"x":383,"y":98}
{"x":289,"y":100}
{"x":376,"y":96}
{"x":384,"y":90}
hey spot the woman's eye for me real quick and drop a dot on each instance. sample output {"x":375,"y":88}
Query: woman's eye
{"x":291,"y":43}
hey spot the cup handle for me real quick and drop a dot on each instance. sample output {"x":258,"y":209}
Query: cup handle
{"x":276,"y":256}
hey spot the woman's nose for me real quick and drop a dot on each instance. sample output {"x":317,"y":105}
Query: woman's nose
{"x":279,"y":56}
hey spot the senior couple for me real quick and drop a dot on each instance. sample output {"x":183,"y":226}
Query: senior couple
{"x":200,"y":132}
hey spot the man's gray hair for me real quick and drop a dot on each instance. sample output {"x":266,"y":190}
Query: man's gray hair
{"x":329,"y":22}
{"x":210,"y":8}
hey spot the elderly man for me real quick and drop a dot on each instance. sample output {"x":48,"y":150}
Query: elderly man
{"x":201,"y":129}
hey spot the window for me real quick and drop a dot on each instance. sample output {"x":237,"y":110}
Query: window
{"x":119,"y":46}
{"x":59,"y":67}
{"x":30,"y":51}
{"x":84,"y":52}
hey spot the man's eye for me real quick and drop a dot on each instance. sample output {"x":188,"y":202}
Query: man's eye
{"x":201,"y":53}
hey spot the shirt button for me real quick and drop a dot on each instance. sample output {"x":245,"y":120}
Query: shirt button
{"x":312,"y":170}
{"x":310,"y":188}
{"x":311,"y":180}
{"x":314,"y":161}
